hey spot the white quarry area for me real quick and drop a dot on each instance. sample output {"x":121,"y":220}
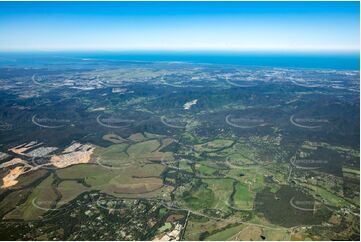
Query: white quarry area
{"x":188,"y":105}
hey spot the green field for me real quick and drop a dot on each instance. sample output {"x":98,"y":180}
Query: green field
{"x":226,"y":234}
{"x":69,"y":190}
{"x":222,"y":189}
{"x":243,"y":198}
{"x":201,"y":198}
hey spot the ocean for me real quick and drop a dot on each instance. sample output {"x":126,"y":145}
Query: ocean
{"x":339,"y":61}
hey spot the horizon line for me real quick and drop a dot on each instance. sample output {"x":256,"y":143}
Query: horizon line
{"x":290,"y":50}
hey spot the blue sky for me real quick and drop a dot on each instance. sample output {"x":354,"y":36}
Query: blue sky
{"x":243,"y":26}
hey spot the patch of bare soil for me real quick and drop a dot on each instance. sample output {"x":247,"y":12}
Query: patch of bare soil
{"x":21,"y":149}
{"x":11,"y":178}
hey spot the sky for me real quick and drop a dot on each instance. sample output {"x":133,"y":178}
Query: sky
{"x":180,"y":26}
